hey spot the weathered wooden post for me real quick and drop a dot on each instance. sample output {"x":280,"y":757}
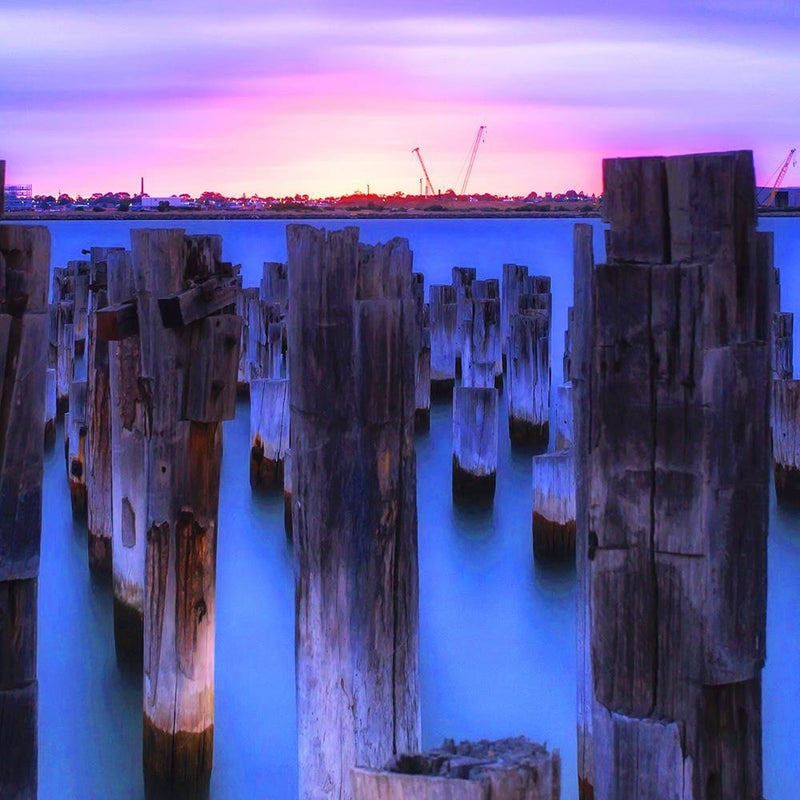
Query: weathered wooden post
{"x":553,"y":523}
{"x":422,"y":383}
{"x":79,"y":271}
{"x":62,"y":350}
{"x":118,"y":325}
{"x":475,"y":444}
{"x":462,"y":283}
{"x":786,"y":438}
{"x":189,"y":354}
{"x":98,"y":425}
{"x":580,"y":370}
{"x":269,"y":431}
{"x":783,"y":346}
{"x":50,"y":409}
{"x":76,"y":447}
{"x":510,"y":291}
{"x":275,"y":285}
{"x":568,"y":336}
{"x":443,"y":311}
{"x":528,"y":362}
{"x":24,"y":324}
{"x":287,"y":493}
{"x":351,"y":350}
{"x":678,"y":481}
{"x":508,"y":769}
{"x":565,"y":434}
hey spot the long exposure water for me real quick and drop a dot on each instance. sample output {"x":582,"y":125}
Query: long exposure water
{"x":497,"y":632}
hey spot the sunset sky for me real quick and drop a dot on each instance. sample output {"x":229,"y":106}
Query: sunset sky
{"x":279,"y":97}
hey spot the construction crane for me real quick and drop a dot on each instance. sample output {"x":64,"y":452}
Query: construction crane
{"x":472,"y":154}
{"x":428,"y":185}
{"x":784,"y":168}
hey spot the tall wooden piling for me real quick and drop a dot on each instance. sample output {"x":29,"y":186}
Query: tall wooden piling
{"x":422,"y":383}
{"x":783,"y":345}
{"x":443,"y":310}
{"x":351,"y":349}
{"x":475,"y":436}
{"x":189,"y":366}
{"x":98,"y":425}
{"x":24,"y":325}
{"x":129,"y":400}
{"x":677,"y":489}
{"x":62,"y":350}
{"x":76,"y":448}
{"x":510,"y":291}
{"x":50,"y":409}
{"x":553,"y":517}
{"x":528,"y":364}
{"x":481,"y":345}
{"x":79,"y":273}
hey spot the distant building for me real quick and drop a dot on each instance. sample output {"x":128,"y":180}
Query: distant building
{"x":785,"y":197}
{"x":174,"y":202}
{"x":19,"y":196}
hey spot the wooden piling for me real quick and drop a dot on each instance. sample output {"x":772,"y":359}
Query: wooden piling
{"x":568,"y":335}
{"x":62,"y":351}
{"x":475,"y":435}
{"x":24,"y":326}
{"x":786,"y":439}
{"x":678,"y":481}
{"x":481,"y":346}
{"x":508,"y":769}
{"x":422,"y":384}
{"x":565,"y":433}
{"x":553,"y":519}
{"x":287,"y":493}
{"x":129,"y":399}
{"x":76,"y":448}
{"x":98,"y":426}
{"x":510,"y":290}
{"x":274,"y":286}
{"x":79,"y":271}
{"x":190,"y":378}
{"x":50,"y":409}
{"x":269,"y":431}
{"x":528,"y":365}
{"x":443,"y":311}
{"x":783,"y":345}
{"x":351,"y":350}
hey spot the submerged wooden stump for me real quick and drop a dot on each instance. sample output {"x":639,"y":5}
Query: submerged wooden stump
{"x":443,"y":310}
{"x":24,"y":327}
{"x":508,"y":769}
{"x":553,"y":522}
{"x":475,"y":423}
{"x":269,"y":432}
{"x":678,"y":468}
{"x":189,"y":371}
{"x":352,"y":345}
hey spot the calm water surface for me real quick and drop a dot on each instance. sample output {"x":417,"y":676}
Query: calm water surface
{"x":497,"y":633}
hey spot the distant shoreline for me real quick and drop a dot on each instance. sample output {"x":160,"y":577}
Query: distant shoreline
{"x":82,"y":216}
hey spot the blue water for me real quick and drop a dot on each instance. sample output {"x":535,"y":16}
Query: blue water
{"x":497,"y":633}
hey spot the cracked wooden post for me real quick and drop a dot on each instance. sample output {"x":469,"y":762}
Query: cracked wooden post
{"x":475,"y":422}
{"x":351,"y":349}
{"x":678,"y":481}
{"x":422,"y":371}
{"x":443,"y":311}
{"x":528,"y":363}
{"x":118,"y":325}
{"x":786,"y":439}
{"x":24,"y":324}
{"x":462,"y":283}
{"x":481,"y":345}
{"x":98,"y":425}
{"x":62,"y":351}
{"x":583,"y":323}
{"x":79,"y":271}
{"x":76,"y":447}
{"x":783,"y":346}
{"x":274,"y":286}
{"x":553,"y":518}
{"x":189,"y":350}
{"x":269,"y":431}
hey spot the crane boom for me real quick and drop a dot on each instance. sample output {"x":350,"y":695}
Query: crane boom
{"x":781,"y":175}
{"x":428,"y":185}
{"x":473,"y":153}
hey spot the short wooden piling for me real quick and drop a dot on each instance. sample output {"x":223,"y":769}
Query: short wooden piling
{"x":269,"y":431}
{"x":190,"y":373}
{"x":678,"y":481}
{"x":76,"y":444}
{"x":24,"y":326}
{"x":481,"y":346}
{"x":508,"y":769}
{"x":443,"y":311}
{"x":351,"y":350}
{"x":475,"y":423}
{"x":553,"y":519}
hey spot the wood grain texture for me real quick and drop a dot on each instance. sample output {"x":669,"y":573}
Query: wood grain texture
{"x":553,"y":514}
{"x":352,"y":351}
{"x":269,"y":432}
{"x":444,"y":318}
{"x":475,"y":435}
